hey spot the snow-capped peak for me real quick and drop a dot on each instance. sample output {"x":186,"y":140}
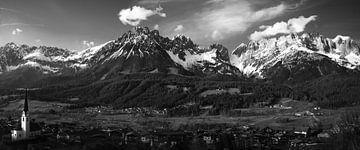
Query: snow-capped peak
{"x":341,"y":38}
{"x":258,"y":56}
{"x":11,"y":45}
{"x":180,"y":36}
{"x":88,"y":53}
{"x":37,"y":54}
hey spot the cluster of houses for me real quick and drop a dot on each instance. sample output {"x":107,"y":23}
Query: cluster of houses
{"x":135,"y":110}
{"x":244,"y":137}
{"x":70,"y":134}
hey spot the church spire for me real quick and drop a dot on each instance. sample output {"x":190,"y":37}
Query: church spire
{"x":26,"y":107}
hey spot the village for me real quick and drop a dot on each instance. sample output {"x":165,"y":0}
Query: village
{"x":67,"y":136}
{"x":26,"y":132}
{"x":210,"y":137}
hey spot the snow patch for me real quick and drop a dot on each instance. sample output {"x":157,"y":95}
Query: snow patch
{"x":266,"y":53}
{"x":81,"y":66}
{"x":193,"y":60}
{"x":38,"y":55}
{"x":154,"y":71}
{"x":353,"y":58}
{"x":87,"y":54}
{"x":33,"y":64}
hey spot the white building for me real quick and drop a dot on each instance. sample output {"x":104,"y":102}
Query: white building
{"x":25,"y":131}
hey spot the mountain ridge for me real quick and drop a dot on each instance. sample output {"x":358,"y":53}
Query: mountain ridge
{"x":142,"y":68}
{"x":144,"y":50}
{"x":261,"y":58}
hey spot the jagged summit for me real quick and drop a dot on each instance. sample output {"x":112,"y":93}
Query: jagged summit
{"x":46,"y":59}
{"x":138,"y":50}
{"x":141,"y":43}
{"x":182,"y":42}
{"x":221,"y":51}
{"x":259,"y":57}
{"x":142,"y":50}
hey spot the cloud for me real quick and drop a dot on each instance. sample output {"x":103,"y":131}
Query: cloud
{"x":88,"y":44}
{"x":294,"y":25}
{"x":16,"y":31}
{"x":11,"y":17}
{"x":220,"y":19}
{"x":179,"y":28}
{"x":9,"y":10}
{"x":37,"y":40}
{"x":224,"y":17}
{"x":156,"y":27}
{"x":157,"y":2}
{"x":217,"y":35}
{"x":135,"y":15}
{"x":152,"y":2}
{"x":20,"y":24}
{"x":217,"y":20}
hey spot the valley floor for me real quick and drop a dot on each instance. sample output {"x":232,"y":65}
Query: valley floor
{"x":301,"y":116}
{"x":299,"y":124}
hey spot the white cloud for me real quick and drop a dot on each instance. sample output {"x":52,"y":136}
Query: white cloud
{"x":88,"y":44}
{"x":220,"y":19}
{"x":16,"y":31}
{"x":216,"y":35}
{"x":19,"y":24}
{"x":135,"y":15}
{"x":227,"y":17}
{"x":156,"y":27}
{"x":179,"y":28}
{"x":157,"y":2}
{"x":37,"y":40}
{"x":294,"y":25}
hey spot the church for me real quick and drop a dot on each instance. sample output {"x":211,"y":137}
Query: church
{"x":27,"y":130}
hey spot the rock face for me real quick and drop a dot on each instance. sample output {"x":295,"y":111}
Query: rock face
{"x":145,"y":51}
{"x":291,"y":58}
{"x":138,"y":51}
{"x":48,"y":60}
{"x":21,"y":65}
{"x":134,"y":52}
{"x":212,"y":60}
{"x":297,"y":58}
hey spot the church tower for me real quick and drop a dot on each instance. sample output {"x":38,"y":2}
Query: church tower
{"x":25,"y":118}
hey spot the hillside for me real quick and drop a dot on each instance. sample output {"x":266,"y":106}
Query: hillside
{"x":141,"y":68}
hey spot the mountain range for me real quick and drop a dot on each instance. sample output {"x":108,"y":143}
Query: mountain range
{"x":297,"y":58}
{"x":135,"y":61}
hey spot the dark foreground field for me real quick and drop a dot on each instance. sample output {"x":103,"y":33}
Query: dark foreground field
{"x":85,"y":125}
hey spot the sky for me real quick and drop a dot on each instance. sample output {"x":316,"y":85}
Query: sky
{"x":79,"y":24}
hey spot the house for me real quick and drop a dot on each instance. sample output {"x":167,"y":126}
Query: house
{"x":267,"y":130}
{"x":323,"y":135}
{"x":27,"y":130}
{"x":146,"y":138}
{"x":63,"y":136}
{"x":132,"y":137}
{"x":300,"y":133}
{"x":317,"y":108}
{"x":298,"y":114}
{"x":169,"y":137}
{"x":210,"y":137}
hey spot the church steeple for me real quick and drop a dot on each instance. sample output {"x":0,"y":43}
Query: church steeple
{"x":26,"y":106}
{"x":25,"y":118}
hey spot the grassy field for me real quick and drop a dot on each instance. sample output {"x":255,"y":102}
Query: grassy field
{"x":53,"y":112}
{"x":33,"y":105}
{"x":36,"y":108}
